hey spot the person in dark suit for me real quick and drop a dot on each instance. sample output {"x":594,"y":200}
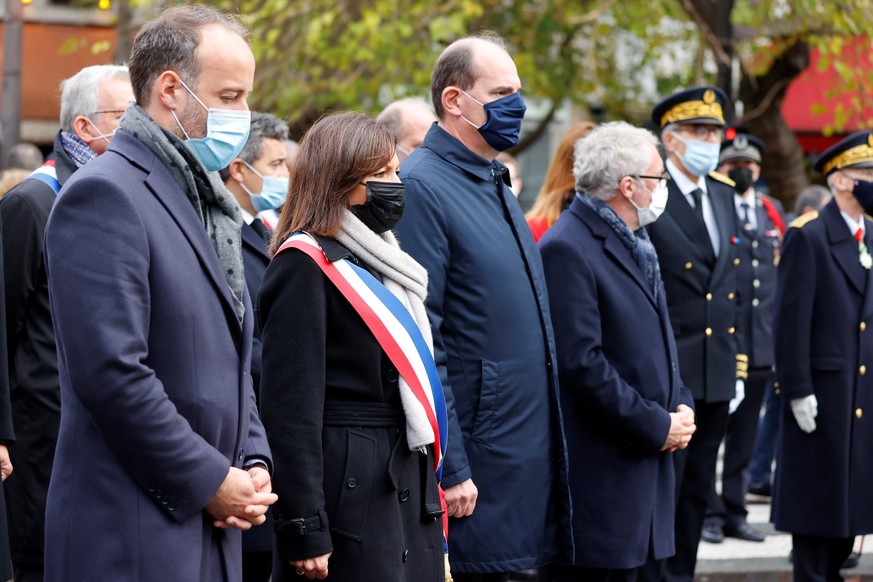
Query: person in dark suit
{"x":359,"y":498}
{"x":7,"y":433}
{"x":760,"y":233}
{"x":824,"y":350}
{"x":695,"y":240}
{"x":625,"y":408}
{"x":161,"y":456}
{"x":258,"y":179}
{"x":92,"y":102}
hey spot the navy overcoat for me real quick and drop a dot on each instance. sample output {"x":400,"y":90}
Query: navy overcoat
{"x":824,"y":346}
{"x":156,"y":397}
{"x":619,"y":378}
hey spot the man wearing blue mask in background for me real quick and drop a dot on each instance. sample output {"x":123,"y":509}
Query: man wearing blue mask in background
{"x":696,"y":243}
{"x":505,"y":476}
{"x":161,"y":455}
{"x":258,"y":179}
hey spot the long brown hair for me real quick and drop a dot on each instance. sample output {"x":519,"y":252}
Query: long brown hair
{"x":559,"y":184}
{"x":336,"y":153}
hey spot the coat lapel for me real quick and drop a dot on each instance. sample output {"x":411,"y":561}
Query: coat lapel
{"x":252,"y":239}
{"x":867,"y":308}
{"x":168,"y":192}
{"x":612,"y":246}
{"x":844,"y":247}
{"x":726,"y":219}
{"x":694,"y":228}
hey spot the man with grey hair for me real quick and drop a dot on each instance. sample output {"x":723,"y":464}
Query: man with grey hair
{"x":409,"y":119}
{"x":92,"y":102}
{"x":625,"y":407}
{"x":492,"y":334}
{"x":161,"y":456}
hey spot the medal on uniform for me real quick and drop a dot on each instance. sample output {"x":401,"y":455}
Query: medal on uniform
{"x":866,"y":259}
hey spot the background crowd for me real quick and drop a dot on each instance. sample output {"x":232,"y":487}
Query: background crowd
{"x":233,"y":357}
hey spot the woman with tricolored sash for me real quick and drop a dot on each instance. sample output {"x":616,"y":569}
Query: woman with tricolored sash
{"x":350,"y":396}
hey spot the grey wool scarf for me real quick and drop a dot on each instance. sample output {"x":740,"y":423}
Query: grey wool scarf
{"x":214,"y":205}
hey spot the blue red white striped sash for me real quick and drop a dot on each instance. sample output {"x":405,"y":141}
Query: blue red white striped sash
{"x":47,"y":174}
{"x":397,"y":334}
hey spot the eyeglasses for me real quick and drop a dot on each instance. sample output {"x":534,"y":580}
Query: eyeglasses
{"x":702,"y":132}
{"x":663,"y":179}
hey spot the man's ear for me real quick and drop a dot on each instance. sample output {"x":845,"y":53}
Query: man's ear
{"x":235,"y":170}
{"x":450,"y":100}
{"x":83,"y":129}
{"x":169,"y":89}
{"x":626,"y":187}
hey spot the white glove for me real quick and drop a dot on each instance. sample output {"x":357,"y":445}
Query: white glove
{"x":740,"y":394}
{"x":805,"y":410}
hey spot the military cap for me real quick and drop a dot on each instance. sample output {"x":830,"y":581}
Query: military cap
{"x":740,"y":145}
{"x":855,"y":151}
{"x":698,"y":105}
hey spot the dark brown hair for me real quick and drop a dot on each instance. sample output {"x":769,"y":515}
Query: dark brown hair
{"x":169,"y":43}
{"x":334,"y":156}
{"x":455,"y":68}
{"x":559,"y":184}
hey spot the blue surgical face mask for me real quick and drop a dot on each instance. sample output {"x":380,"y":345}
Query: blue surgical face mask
{"x":503,"y":121}
{"x":701,"y":157}
{"x":274,"y":191}
{"x":226,"y":133}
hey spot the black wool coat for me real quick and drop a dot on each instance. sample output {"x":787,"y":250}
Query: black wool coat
{"x":331,"y":406}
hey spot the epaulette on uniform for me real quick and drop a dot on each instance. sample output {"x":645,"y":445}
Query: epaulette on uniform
{"x":804,"y":219}
{"x":722,"y":178}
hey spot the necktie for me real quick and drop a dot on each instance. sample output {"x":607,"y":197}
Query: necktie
{"x":745,"y":217}
{"x":697,"y":194}
{"x":262,"y":230}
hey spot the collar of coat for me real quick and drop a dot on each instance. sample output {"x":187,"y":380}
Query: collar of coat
{"x":456,"y":153}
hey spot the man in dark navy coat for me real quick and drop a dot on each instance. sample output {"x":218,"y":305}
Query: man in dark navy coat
{"x":625,"y":408}
{"x":760,"y":234}
{"x":695,"y":240}
{"x":505,"y":472}
{"x":824,"y":364}
{"x":161,"y":456}
{"x":258,"y":179}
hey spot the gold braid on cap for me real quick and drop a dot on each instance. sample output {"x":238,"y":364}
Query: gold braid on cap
{"x":708,"y":107}
{"x":852,"y":156}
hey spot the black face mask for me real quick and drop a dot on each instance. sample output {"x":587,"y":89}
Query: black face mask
{"x":384,"y":205}
{"x":742,"y":178}
{"x":863,"y":192}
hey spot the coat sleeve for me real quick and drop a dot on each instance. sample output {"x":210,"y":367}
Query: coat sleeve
{"x":424,"y":233}
{"x":101,"y":296}
{"x":7,"y":435}
{"x":793,"y":313}
{"x":293,"y":314}
{"x":584,"y":371}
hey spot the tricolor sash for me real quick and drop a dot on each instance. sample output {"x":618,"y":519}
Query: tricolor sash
{"x":47,"y":174}
{"x":397,"y":333}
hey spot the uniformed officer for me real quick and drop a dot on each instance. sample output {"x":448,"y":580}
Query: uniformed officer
{"x":760,"y":226}
{"x":696,"y":243}
{"x":824,"y":307}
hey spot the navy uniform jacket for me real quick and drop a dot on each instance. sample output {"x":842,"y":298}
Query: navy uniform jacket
{"x":156,"y":394}
{"x":619,"y":380}
{"x":494,"y":349}
{"x":701,"y":291}
{"x":758,"y":251}
{"x":33,"y":358}
{"x":824,"y":346}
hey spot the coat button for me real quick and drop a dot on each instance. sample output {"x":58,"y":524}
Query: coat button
{"x":688,"y":266}
{"x":736,"y":262}
{"x":862,"y":369}
{"x":731,"y":296}
{"x":241,"y":453}
{"x":756,"y":283}
{"x":709,"y":296}
{"x":404,"y":495}
{"x":755,"y":302}
{"x":352,"y":483}
{"x":754,"y":262}
{"x":731,"y":330}
{"x":863,"y":326}
{"x":708,"y":331}
{"x":859,"y":413}
{"x":391,"y":375}
{"x":754,"y":244}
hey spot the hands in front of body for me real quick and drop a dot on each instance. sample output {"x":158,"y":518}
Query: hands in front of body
{"x":314,"y":568}
{"x":5,"y":463}
{"x":461,"y":499}
{"x":681,"y":428}
{"x":243,"y":498}
{"x":805,"y":410}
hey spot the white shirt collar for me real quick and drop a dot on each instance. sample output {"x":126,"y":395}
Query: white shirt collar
{"x":248,"y":218}
{"x":853,"y":225}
